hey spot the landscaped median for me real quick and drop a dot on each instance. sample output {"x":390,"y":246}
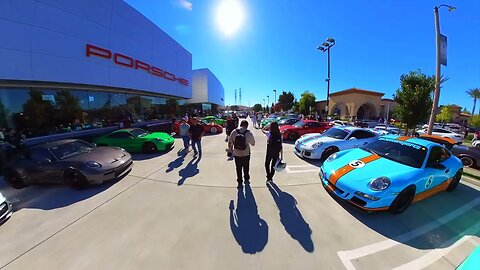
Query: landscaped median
{"x":471,"y":175}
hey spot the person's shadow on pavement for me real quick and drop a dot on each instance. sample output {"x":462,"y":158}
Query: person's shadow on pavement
{"x":189,"y":171}
{"x":176,"y":163}
{"x":291,"y":217}
{"x":250,"y":231}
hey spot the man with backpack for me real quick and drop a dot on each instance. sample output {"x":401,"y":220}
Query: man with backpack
{"x":239,"y":144}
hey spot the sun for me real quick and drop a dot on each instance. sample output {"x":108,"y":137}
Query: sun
{"x":230,"y":16}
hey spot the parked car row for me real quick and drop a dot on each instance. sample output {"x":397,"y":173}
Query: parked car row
{"x":78,"y":163}
{"x":376,"y":170}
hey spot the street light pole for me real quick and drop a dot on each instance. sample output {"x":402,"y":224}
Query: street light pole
{"x":326,"y":47}
{"x":328,"y":79}
{"x":268,"y":100}
{"x":436,"y":96}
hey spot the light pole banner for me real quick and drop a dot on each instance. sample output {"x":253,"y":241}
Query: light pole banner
{"x":443,"y":50}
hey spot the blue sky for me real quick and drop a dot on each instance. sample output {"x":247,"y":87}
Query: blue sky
{"x":377,"y":41}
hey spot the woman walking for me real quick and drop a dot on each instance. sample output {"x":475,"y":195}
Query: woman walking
{"x":274,"y":149}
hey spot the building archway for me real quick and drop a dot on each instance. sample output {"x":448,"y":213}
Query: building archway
{"x":340,"y":110}
{"x":367,"y":111}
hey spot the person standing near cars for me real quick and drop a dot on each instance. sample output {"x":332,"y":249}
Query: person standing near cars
{"x":254,"y":120}
{"x":274,"y":149}
{"x":196,"y":133}
{"x":184,"y":130}
{"x":239,"y":144}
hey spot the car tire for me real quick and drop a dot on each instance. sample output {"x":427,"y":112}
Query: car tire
{"x":213,"y":130}
{"x":327,"y":152}
{"x":293,"y":136}
{"x":14,"y":179}
{"x":149,"y":148}
{"x":467,"y":161}
{"x":456,"y":179}
{"x":75,"y":179}
{"x":402,"y":201}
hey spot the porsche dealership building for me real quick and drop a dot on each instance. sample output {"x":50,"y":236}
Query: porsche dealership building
{"x":78,"y":65}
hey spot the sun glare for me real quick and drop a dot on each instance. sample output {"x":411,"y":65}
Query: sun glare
{"x":230,"y":16}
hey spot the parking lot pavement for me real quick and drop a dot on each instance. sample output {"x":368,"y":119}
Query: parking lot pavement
{"x":175,"y":212}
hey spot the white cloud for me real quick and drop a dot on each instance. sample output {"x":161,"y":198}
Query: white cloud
{"x":185,"y":4}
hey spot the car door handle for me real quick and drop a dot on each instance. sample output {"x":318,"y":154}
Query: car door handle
{"x":447,"y":170}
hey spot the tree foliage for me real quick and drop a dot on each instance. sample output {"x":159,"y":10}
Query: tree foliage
{"x":68,"y":107}
{"x":276,"y":108}
{"x":3,"y":115}
{"x":306,"y":102}
{"x":286,"y":100}
{"x":414,"y":98}
{"x":38,"y":111}
{"x":445,"y":115}
{"x":474,"y":121}
{"x":257,"y":107}
{"x":475,"y":94}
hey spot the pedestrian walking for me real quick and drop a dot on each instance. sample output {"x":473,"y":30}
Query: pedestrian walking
{"x":254,"y":120}
{"x":196,"y":133}
{"x":184,"y":134}
{"x":274,"y":150}
{"x":231,"y":125}
{"x":239,"y":144}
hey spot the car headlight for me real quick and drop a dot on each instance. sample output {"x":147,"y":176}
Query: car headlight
{"x":380,"y":183}
{"x":317,"y":144}
{"x":93,"y":164}
{"x":332,"y":157}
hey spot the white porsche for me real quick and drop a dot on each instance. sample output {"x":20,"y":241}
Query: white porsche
{"x":320,"y":146}
{"x":5,"y":209}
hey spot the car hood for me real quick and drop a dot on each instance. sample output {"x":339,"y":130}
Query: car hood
{"x":311,"y":139}
{"x":370,"y":170}
{"x":162,"y":135}
{"x":101,"y":154}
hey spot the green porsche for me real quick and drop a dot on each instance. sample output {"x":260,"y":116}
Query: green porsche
{"x":137,"y":140}
{"x":213,"y":119}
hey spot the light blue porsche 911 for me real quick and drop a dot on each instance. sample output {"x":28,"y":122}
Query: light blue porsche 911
{"x":391,"y":173}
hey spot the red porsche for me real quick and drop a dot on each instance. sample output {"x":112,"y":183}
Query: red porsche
{"x":302,"y":127}
{"x":211,"y":128}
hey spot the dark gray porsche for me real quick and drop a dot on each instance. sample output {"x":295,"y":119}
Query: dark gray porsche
{"x":73,"y":162}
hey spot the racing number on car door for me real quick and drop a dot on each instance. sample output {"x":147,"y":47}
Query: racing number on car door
{"x":434,"y":176}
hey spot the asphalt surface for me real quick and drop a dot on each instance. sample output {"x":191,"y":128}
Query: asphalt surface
{"x":172,"y":212}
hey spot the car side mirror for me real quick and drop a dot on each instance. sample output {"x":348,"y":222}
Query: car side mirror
{"x":131,"y":137}
{"x":437,"y":166}
{"x":94,"y":144}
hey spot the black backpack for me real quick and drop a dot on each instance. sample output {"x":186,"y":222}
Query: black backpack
{"x":274,"y":144}
{"x":240,"y":140}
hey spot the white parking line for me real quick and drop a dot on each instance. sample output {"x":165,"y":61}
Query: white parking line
{"x":301,"y":168}
{"x":347,"y":256}
{"x":436,"y":254}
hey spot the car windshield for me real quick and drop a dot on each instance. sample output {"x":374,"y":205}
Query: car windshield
{"x":336,"y":133}
{"x":299,"y":124}
{"x":71,"y":149}
{"x":406,"y":153}
{"x":138,"y":132}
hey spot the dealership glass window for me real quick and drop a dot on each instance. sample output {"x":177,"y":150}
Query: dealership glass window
{"x":118,"y":107}
{"x":11,"y":104}
{"x":134,"y":107}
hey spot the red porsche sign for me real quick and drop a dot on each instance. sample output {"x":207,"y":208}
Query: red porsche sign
{"x":127,"y":61}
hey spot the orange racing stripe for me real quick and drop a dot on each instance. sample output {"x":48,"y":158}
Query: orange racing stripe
{"x":403,"y":138}
{"x":347,"y":168}
{"x":428,"y":193}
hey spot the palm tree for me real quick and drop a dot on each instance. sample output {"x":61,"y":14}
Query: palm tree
{"x":475,"y":94}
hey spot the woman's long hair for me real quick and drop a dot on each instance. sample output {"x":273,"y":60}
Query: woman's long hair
{"x":274,"y":128}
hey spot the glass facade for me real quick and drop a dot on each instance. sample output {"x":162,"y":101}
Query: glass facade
{"x":43,"y":111}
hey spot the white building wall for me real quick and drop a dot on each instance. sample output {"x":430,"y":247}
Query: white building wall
{"x":206,"y":88}
{"x":45,"y":40}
